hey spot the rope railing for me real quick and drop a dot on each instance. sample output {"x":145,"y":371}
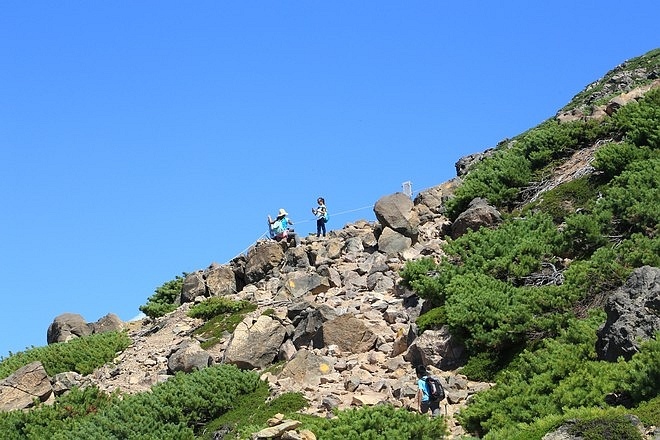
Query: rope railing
{"x":334,"y":214}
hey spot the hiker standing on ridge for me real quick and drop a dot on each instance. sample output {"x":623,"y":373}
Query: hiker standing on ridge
{"x":321,"y":213}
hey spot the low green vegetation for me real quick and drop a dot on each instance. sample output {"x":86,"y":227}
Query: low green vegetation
{"x":381,"y":422}
{"x":222,"y":315}
{"x":81,"y":355}
{"x":250,"y":412}
{"x":526,"y":296}
{"x":177,"y":409}
{"x":165,"y":298}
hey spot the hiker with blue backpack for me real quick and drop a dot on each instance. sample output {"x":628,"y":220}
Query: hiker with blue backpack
{"x":321,"y":213}
{"x":279,"y":228}
{"x":430,"y":392}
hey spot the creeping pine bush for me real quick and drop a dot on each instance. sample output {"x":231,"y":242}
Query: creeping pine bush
{"x":508,"y":253}
{"x":562,"y":375}
{"x":640,"y":121}
{"x":496,"y":179}
{"x":551,"y":141}
{"x":381,"y":422}
{"x":605,"y":428}
{"x":613,"y":158}
{"x":215,"y":306}
{"x":164,"y":299}
{"x":44,"y":421}
{"x":173,"y":410}
{"x":634,"y":199}
{"x":82,"y":355}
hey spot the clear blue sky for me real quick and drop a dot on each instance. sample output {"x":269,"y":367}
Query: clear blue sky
{"x":144,"y":139}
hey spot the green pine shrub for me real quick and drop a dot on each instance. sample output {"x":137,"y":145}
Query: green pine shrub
{"x":380,"y":422}
{"x":165,"y":298}
{"x":176,"y":409}
{"x":422,"y":275}
{"x":562,"y":375}
{"x":605,"y":428}
{"x":585,"y":232}
{"x":432,"y":319}
{"x":81,"y":355}
{"x":634,"y":199}
{"x":640,"y":121}
{"x":649,"y":411}
{"x":551,"y":140}
{"x":497,"y":179}
{"x":251,"y":412}
{"x":509,"y":252}
{"x":566,"y":199}
{"x":613,"y":158}
{"x":222,"y":315}
{"x":217,"y":305}
{"x":494,"y":316}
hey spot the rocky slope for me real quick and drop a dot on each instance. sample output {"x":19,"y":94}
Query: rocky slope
{"x":332,"y":320}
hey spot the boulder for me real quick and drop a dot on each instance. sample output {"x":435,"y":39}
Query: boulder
{"x":465,"y":163}
{"x":349,"y":333}
{"x":188,"y":356}
{"x":108,"y":323}
{"x":67,"y":326}
{"x":479,"y":213}
{"x":298,"y":284}
{"x":193,"y":287}
{"x":434,"y":198}
{"x":28,"y":383}
{"x":220,"y":280}
{"x":261,"y":259}
{"x":633,"y":315}
{"x":396,"y":212}
{"x":255,"y":343}
{"x":438,"y":348}
{"x":306,"y":369}
{"x":391,"y":242}
{"x":308,"y":320}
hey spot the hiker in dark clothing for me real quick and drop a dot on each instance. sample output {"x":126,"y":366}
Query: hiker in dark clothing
{"x":321,"y":213}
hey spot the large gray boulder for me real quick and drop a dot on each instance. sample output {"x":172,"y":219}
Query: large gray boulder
{"x":220,"y":280}
{"x":66,"y":327}
{"x":299,"y":283}
{"x":438,"y":348}
{"x":188,"y":356}
{"x":396,"y":212}
{"x":392,"y":242}
{"x":466,"y":163}
{"x":348,"y":333}
{"x":479,"y":213}
{"x":633,"y":315}
{"x":435,"y":198}
{"x":108,"y":323}
{"x":27,"y":384}
{"x":255,"y":343}
{"x":307,"y":320}
{"x":261,"y":259}
{"x":193,"y":286}
{"x":306,"y":369}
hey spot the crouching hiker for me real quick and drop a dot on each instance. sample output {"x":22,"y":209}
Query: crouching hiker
{"x":430,"y":392}
{"x":279,"y":228}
